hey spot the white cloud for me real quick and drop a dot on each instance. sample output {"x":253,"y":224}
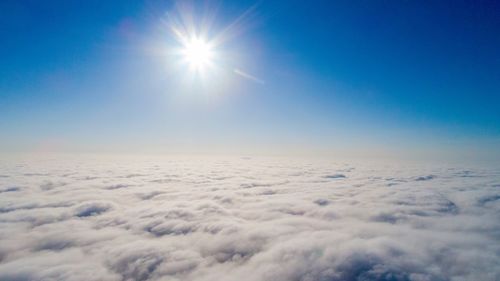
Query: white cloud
{"x":247,"y":220}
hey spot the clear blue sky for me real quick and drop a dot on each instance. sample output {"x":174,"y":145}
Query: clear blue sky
{"x":374,"y":77}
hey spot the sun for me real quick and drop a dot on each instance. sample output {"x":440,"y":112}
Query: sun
{"x":198,"y":53}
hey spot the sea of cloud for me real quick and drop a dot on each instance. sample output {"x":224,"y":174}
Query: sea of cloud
{"x":247,"y":219}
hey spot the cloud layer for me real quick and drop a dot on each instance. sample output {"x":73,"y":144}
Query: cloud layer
{"x":247,"y":220}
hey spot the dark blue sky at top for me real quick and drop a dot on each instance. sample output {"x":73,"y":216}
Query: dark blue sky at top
{"x":400,"y":72}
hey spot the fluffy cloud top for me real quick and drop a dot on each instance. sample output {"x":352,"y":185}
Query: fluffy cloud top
{"x":247,"y":220}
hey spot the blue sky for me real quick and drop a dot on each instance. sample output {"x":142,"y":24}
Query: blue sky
{"x":341,"y":77}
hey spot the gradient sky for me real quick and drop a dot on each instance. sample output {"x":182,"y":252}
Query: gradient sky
{"x":419,"y":78}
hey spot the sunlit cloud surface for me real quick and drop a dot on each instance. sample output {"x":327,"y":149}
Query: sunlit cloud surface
{"x":246,"y":219}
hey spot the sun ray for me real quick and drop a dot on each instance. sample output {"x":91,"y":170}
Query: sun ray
{"x":201,"y":45}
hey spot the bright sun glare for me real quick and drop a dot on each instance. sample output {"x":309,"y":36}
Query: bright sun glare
{"x":198,"y":52}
